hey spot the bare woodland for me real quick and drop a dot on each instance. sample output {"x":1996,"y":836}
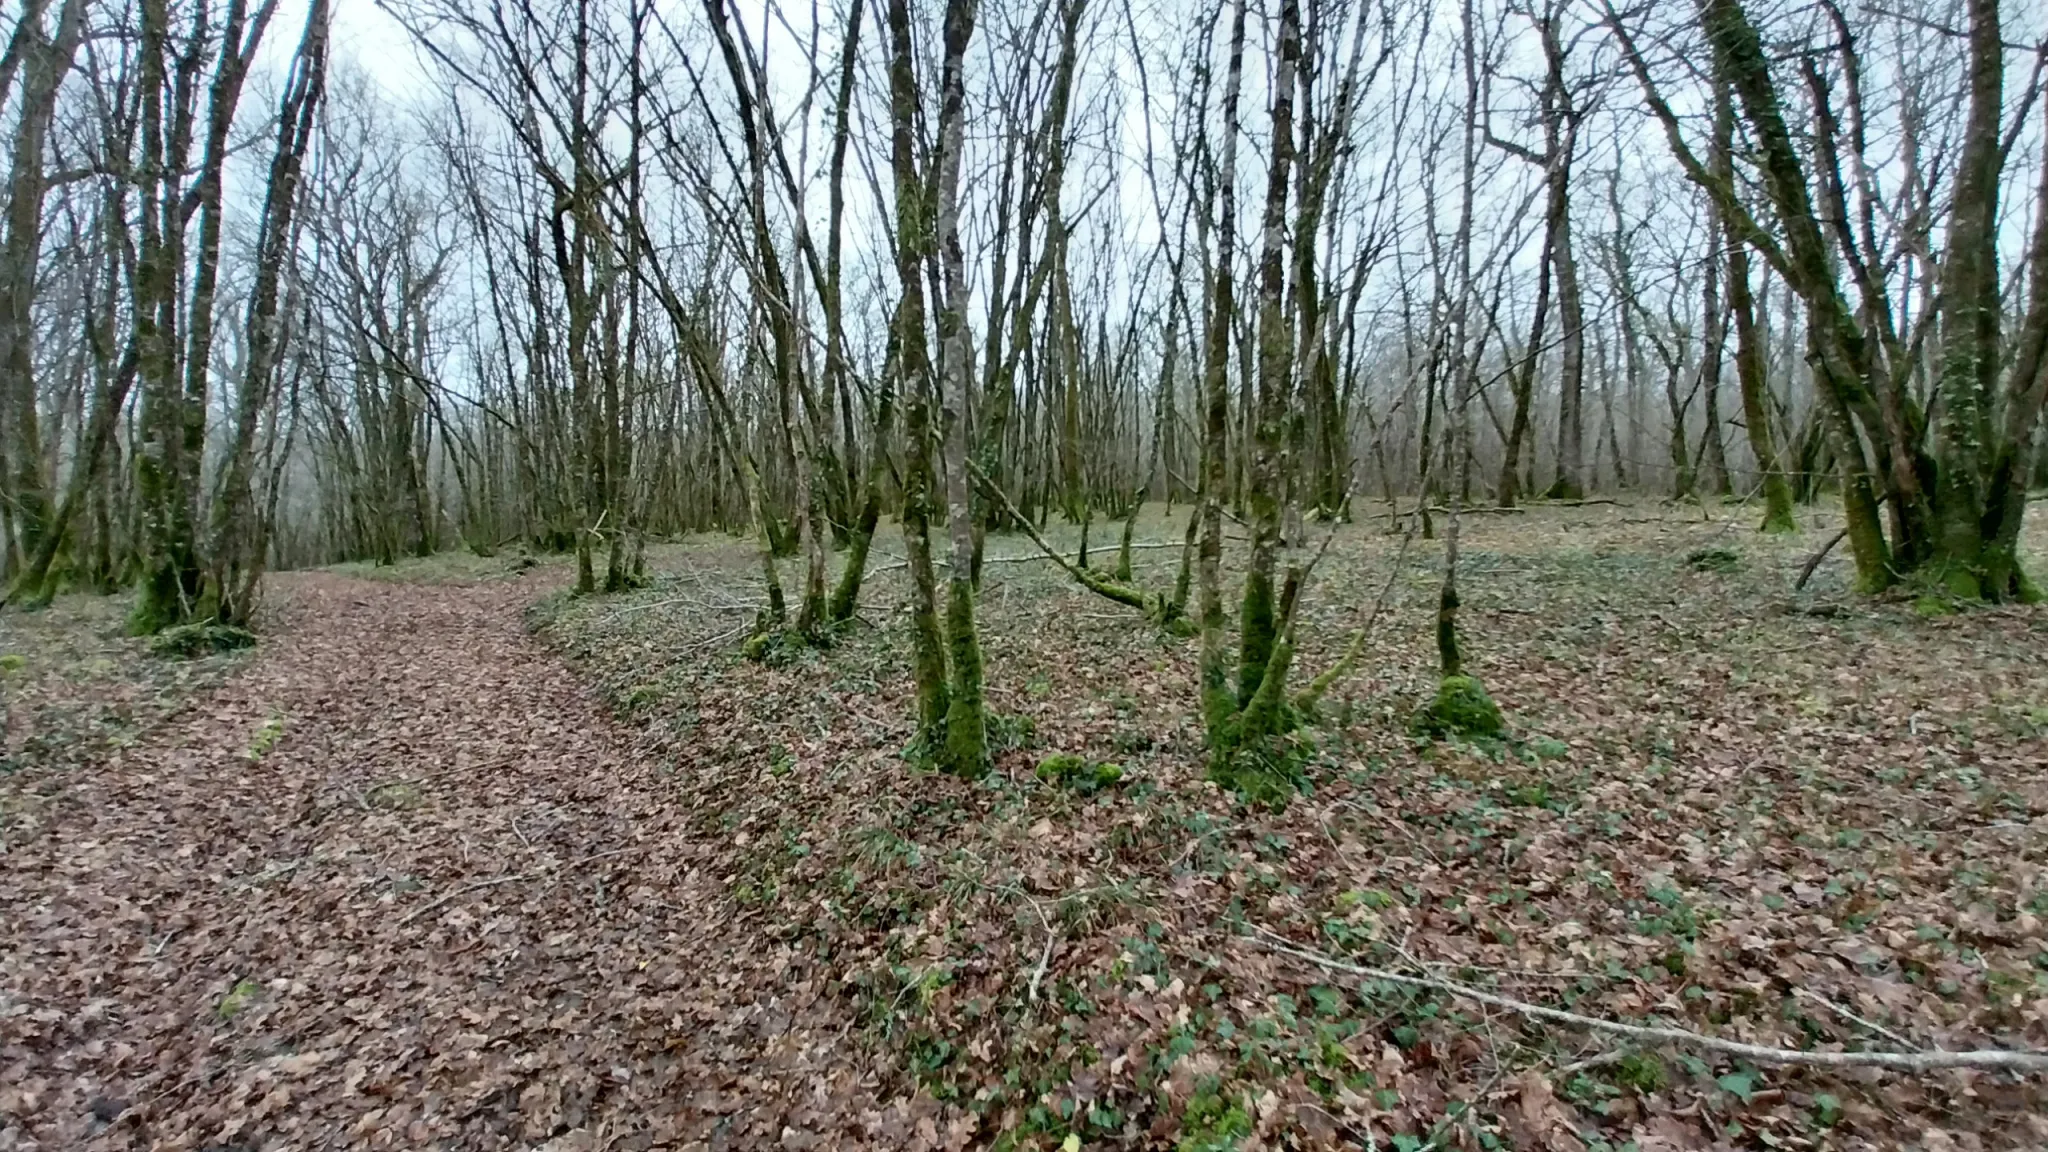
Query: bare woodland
{"x":880,"y":286}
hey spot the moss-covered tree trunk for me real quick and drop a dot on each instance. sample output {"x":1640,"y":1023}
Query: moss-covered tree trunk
{"x":914,"y":244}
{"x":846,"y":593}
{"x":1937,"y":473}
{"x":1978,"y":494}
{"x":1461,"y":706}
{"x":1751,"y":376}
{"x":1507,"y":488}
{"x":176,"y":368}
{"x":1712,"y":461}
{"x":1259,"y":619}
{"x":966,"y":749}
{"x":1219,"y":697}
{"x":44,"y":60}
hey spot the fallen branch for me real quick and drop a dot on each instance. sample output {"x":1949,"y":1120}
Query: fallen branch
{"x":1443,"y":510}
{"x":2018,"y":1061}
{"x":693,"y":601}
{"x":1109,"y":589}
{"x":1813,"y":561}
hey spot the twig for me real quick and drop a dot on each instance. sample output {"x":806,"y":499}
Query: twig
{"x":1600,"y":1061}
{"x":272,"y":873}
{"x":2018,"y":1061}
{"x":1051,"y":937}
{"x":1839,"y":1010}
{"x":464,"y":891}
{"x":1044,"y":955}
{"x":508,"y":878}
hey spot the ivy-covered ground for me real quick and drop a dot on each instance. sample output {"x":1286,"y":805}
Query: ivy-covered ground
{"x":1799,"y":820}
{"x":403,"y":878}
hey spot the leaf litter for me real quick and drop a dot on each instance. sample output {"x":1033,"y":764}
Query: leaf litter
{"x":737,"y":917}
{"x":205,"y":951}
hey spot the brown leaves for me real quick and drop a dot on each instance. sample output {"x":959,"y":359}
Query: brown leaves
{"x":220,"y":944}
{"x":1538,"y":1119}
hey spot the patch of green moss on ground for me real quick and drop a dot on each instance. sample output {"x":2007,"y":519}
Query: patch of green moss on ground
{"x":1461,"y":709}
{"x":243,"y":994}
{"x":1078,"y":773}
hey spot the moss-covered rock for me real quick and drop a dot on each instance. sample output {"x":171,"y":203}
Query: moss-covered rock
{"x":188,"y":641}
{"x":1078,"y":773}
{"x":1461,"y":709}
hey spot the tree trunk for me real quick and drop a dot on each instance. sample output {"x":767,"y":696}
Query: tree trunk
{"x":914,"y":242}
{"x":237,"y":542}
{"x":44,"y":62}
{"x":1219,"y":699}
{"x":966,"y":749}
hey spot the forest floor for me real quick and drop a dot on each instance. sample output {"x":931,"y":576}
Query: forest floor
{"x":402,"y":878}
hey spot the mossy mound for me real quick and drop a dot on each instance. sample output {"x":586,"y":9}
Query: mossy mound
{"x":189,"y":641}
{"x":1461,"y":709}
{"x":1078,"y":773}
{"x":780,"y":647}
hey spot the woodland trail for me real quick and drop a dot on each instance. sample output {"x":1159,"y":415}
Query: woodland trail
{"x":399,"y":882}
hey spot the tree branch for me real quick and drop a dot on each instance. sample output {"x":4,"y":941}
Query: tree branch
{"x":2015,"y":1060}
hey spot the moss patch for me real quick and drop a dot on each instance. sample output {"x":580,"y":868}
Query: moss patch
{"x":1213,"y":1123}
{"x":1461,"y":709}
{"x":1078,"y":773}
{"x":240,"y":997}
{"x":1266,"y":771}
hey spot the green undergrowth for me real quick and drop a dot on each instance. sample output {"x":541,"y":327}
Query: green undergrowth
{"x":1078,"y":773}
{"x":455,"y":566}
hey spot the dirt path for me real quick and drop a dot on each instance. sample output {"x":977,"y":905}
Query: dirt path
{"x":397,"y":883}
